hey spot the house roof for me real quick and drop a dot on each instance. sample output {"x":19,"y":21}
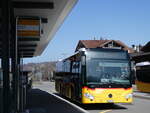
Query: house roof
{"x":100,"y":43}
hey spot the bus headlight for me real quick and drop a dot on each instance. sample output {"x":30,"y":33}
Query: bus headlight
{"x":128,"y":96}
{"x":89,"y":96}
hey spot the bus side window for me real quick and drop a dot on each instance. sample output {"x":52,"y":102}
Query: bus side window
{"x":73,"y":67}
{"x":76,"y":67}
{"x":66,"y":66}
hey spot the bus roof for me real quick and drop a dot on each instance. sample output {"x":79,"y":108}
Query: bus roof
{"x":72,"y":57}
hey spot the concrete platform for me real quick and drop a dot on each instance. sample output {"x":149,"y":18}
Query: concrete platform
{"x":139,"y":94}
{"x":42,"y":102}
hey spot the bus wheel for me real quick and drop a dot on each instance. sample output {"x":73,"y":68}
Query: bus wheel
{"x":72,"y":93}
{"x":69,"y":92}
{"x":60,"y":90}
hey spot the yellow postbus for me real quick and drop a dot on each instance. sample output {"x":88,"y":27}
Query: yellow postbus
{"x":96,"y":75}
{"x":143,"y":76}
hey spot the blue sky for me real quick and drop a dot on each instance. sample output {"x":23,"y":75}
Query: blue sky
{"x":124,"y":20}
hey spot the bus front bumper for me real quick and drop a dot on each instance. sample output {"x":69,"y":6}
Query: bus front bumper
{"x":106,"y":95}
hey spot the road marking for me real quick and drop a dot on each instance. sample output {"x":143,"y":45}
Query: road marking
{"x":74,"y":105}
{"x":105,"y":111}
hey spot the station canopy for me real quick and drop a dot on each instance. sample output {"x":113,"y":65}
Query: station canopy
{"x":37,"y":21}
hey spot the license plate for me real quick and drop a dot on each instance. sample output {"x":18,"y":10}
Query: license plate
{"x":110,"y":101}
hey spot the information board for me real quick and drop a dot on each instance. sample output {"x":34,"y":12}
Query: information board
{"x":28,"y":27}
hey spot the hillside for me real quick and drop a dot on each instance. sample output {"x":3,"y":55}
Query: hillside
{"x":40,"y":71}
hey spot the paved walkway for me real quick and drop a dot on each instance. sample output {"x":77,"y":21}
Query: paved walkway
{"x":42,"y":102}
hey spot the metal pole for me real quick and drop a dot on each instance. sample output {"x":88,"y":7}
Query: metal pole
{"x":18,"y":84}
{"x":5,"y":54}
{"x":15,"y":65}
{"x":21,"y":86}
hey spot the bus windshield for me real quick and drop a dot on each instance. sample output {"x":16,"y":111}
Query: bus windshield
{"x":108,"y":71}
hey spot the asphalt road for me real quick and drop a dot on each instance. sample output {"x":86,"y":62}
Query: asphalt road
{"x":138,"y":106}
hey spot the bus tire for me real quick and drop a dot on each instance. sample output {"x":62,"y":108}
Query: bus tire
{"x":69,"y":93}
{"x":60,"y":90}
{"x":72,"y":93}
